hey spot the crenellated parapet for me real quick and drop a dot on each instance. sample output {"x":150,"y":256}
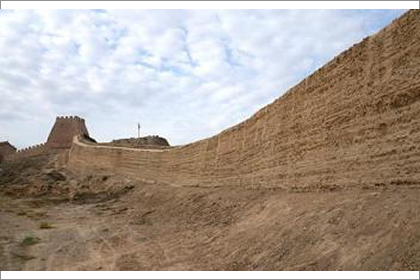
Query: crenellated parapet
{"x":31,"y":148}
{"x":76,"y":118}
{"x":29,"y":151}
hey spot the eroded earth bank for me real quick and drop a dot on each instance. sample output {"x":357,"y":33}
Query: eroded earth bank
{"x":53,"y":220}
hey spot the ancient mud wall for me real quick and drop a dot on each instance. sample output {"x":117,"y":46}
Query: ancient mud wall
{"x":353,"y":123}
{"x":29,"y":151}
{"x":63,"y":131}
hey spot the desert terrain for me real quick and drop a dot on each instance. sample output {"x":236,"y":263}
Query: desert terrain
{"x":327,"y":177}
{"x":59,"y":221}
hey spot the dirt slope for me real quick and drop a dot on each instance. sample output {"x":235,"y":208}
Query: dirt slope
{"x":147,"y":142}
{"x":104,"y":222}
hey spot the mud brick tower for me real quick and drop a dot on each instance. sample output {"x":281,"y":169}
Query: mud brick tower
{"x":63,"y":131}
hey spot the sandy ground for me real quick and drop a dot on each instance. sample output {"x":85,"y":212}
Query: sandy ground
{"x":110,"y":223}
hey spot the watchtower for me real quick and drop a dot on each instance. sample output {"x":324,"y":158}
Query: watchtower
{"x":64,"y":130}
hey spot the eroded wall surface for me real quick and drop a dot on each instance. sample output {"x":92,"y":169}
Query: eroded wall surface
{"x":353,"y":123}
{"x":6,"y":149}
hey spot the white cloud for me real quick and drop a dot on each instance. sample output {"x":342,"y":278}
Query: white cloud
{"x":184,"y":74}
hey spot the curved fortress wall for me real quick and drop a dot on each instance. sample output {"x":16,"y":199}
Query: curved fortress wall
{"x":354,"y":122}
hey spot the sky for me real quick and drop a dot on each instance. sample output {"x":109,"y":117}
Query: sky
{"x":182,"y":74}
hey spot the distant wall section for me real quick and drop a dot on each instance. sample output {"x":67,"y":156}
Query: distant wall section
{"x":29,"y":151}
{"x":59,"y":139}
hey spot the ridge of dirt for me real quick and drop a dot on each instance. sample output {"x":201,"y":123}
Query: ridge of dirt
{"x":105,"y":222}
{"x":147,"y":142}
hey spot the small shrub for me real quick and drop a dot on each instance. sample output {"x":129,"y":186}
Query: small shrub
{"x":29,"y":241}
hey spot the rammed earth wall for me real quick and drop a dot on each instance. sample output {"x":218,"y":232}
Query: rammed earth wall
{"x":353,"y":123}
